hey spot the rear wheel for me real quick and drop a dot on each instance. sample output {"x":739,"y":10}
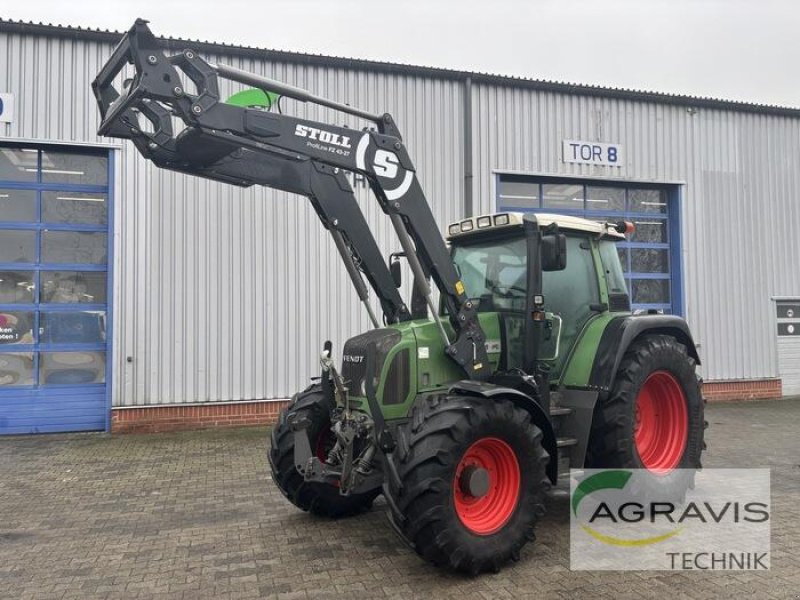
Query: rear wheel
{"x":653,"y":417}
{"x":317,"y":498}
{"x":473,"y":477}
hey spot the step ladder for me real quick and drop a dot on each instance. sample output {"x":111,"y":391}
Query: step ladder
{"x":564,"y":443}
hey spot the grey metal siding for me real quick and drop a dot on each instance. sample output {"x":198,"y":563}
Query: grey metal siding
{"x":227,"y":294}
{"x":740,"y":213}
{"x":223,"y":293}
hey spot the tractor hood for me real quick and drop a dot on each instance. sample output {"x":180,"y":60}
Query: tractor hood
{"x":408,"y":358}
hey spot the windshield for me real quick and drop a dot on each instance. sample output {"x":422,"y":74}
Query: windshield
{"x":494,"y":273}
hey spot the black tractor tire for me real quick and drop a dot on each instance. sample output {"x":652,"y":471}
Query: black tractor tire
{"x":658,"y":374}
{"x":317,"y":498}
{"x":433,"y":451}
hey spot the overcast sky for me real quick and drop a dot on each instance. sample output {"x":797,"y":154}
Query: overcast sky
{"x":736,"y":49}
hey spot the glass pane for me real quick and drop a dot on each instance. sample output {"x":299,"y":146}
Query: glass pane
{"x":75,"y":287}
{"x":72,"y":167}
{"x":648,"y":201}
{"x":16,"y":368}
{"x":18,"y":164}
{"x":650,"y":291}
{"x":623,"y":258}
{"x":17,"y":205}
{"x":17,"y":287}
{"x":562,"y":195}
{"x":649,"y":260}
{"x":17,"y":246}
{"x":523,"y":194}
{"x":494,"y":272}
{"x":72,"y":327}
{"x":605,"y":198}
{"x":73,"y":247}
{"x":74,"y":207}
{"x":652,"y":232}
{"x":72,"y":368}
{"x":614,"y":277}
{"x":16,"y":327}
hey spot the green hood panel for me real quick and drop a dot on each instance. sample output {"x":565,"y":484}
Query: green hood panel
{"x":429,"y":367}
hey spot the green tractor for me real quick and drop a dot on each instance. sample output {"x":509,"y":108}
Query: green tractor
{"x":469,"y":462}
{"x":461,"y":414}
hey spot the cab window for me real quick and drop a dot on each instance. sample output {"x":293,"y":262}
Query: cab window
{"x":494,"y":273}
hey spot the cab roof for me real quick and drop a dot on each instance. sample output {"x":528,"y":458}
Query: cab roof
{"x":504,"y":221}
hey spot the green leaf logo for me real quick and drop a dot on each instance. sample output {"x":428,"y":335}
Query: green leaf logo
{"x":611,"y":480}
{"x":607,"y":480}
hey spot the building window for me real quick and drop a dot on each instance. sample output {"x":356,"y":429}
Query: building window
{"x":647,"y":255}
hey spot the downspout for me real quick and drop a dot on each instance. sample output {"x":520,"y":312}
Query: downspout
{"x":468,"y":204}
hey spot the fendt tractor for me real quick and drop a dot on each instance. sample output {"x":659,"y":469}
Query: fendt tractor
{"x":462,"y":413}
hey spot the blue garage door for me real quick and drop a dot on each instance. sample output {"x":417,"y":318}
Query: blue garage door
{"x":54,"y":289}
{"x":650,"y":256}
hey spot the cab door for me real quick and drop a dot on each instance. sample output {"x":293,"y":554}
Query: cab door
{"x":569,"y":295}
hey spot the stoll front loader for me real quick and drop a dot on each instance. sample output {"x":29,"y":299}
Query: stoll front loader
{"x":461,"y":414}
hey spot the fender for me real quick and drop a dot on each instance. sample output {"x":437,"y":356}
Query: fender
{"x":621,"y":333}
{"x":482,"y":389}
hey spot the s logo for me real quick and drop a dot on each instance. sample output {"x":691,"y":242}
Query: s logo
{"x":385,"y":164}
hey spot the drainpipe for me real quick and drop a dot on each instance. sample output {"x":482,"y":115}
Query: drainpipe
{"x":468,"y":204}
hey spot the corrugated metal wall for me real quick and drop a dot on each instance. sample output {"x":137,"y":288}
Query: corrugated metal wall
{"x":227,"y":294}
{"x":740,"y":209}
{"x":223,"y":293}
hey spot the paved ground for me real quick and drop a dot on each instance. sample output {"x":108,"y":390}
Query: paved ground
{"x":194,"y":515}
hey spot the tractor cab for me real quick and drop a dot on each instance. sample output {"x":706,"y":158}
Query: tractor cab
{"x":491,"y":255}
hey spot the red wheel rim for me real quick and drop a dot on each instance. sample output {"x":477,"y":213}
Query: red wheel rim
{"x":662,"y":422}
{"x":487,"y":514}
{"x":326,"y":440}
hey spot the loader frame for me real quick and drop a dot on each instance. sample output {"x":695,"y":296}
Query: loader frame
{"x":246,"y":146}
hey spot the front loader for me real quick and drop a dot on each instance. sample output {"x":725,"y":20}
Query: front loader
{"x":460,"y":413}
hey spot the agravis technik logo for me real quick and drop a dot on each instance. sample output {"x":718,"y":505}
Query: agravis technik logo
{"x":716,"y":519}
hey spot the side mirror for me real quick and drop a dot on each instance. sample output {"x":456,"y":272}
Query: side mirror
{"x":554,"y":252}
{"x":396,"y":271}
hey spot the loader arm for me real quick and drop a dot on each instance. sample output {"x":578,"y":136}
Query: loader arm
{"x":245,"y":146}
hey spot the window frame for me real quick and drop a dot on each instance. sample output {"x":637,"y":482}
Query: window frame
{"x":37,"y":267}
{"x":670,"y":217}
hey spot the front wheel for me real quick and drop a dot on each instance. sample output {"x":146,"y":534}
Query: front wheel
{"x":473,"y":479}
{"x":318,"y":498}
